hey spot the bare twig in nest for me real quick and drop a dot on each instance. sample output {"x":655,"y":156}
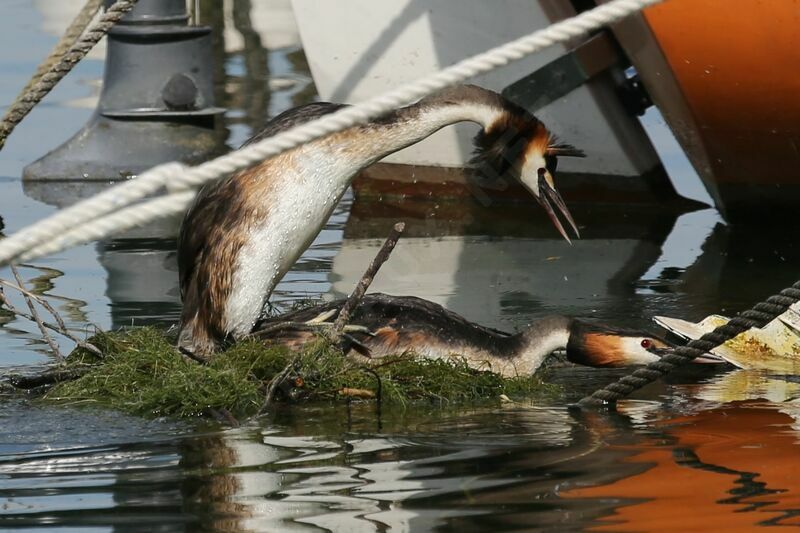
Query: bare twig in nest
{"x":361,"y":288}
{"x":35,"y":314}
{"x":4,"y":302}
{"x":275,"y":383}
{"x":344,"y":315}
{"x":378,"y":382}
{"x":38,"y":299}
{"x":30,"y":297}
{"x":191,"y":356}
{"x":13,"y":309}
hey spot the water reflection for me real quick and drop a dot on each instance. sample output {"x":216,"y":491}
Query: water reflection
{"x":500,"y":265}
{"x":264,"y":478}
{"x":761,"y":255}
{"x":339,"y":468}
{"x":519,"y":467}
{"x":141,"y":264}
{"x":741,"y":385}
{"x":740,"y":462}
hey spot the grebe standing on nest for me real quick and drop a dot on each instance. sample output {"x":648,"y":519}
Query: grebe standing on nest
{"x":406,"y":324}
{"x":244,"y":232}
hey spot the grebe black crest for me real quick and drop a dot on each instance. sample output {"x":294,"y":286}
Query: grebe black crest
{"x":244,"y":232}
{"x":406,"y":324}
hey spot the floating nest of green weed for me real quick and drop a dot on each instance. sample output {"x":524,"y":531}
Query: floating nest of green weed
{"x":142,"y":373}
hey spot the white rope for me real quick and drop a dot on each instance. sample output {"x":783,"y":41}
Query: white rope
{"x":77,"y":221}
{"x":124,"y":219}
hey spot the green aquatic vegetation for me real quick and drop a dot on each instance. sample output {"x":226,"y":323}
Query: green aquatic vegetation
{"x":142,"y":373}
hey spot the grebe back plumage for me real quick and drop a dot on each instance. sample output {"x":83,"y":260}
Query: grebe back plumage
{"x":244,"y":232}
{"x":406,"y":324}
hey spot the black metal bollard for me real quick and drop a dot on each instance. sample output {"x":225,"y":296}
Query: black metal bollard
{"x":156,"y":104}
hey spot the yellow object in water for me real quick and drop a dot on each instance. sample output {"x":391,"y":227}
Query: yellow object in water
{"x":775,"y":347}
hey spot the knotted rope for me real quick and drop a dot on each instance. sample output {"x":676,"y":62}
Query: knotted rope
{"x":44,"y":83}
{"x":758,"y":316}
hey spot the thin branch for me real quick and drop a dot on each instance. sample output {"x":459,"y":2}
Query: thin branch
{"x":275,"y":383}
{"x":41,"y":301}
{"x":378,"y":381}
{"x":61,"y":328}
{"x":366,"y":280}
{"x":344,"y":315}
{"x":36,"y":318}
{"x":4,"y":302}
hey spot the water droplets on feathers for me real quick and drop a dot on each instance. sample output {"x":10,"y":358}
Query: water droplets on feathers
{"x":308,"y":192}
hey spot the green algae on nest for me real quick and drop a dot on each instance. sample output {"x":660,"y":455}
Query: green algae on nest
{"x":142,"y":373}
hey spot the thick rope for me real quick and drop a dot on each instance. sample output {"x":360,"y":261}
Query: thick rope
{"x":174,"y":174}
{"x":67,"y":41}
{"x":24,"y":104}
{"x":757,"y":317}
{"x":127,"y":218}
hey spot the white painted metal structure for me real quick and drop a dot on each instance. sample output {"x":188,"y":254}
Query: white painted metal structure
{"x":360,"y":48}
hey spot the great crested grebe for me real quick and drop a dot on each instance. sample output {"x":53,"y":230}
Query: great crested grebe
{"x":244,"y":232}
{"x":406,"y":324}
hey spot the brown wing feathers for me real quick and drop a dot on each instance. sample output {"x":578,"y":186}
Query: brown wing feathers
{"x":212,"y":234}
{"x":401,"y":323}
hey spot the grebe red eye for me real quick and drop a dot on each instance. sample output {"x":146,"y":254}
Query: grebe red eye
{"x":647,"y":344}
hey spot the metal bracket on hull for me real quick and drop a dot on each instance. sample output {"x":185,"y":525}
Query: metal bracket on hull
{"x":565,"y":74}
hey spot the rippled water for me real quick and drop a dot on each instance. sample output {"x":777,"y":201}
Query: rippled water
{"x":706,"y":448}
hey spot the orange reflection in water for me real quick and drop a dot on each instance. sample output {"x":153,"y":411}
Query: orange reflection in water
{"x":731,"y":469}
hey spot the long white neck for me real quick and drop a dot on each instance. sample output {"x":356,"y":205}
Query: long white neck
{"x":540,"y":340}
{"x":411,"y":125}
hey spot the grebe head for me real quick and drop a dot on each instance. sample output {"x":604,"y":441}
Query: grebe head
{"x":519,"y":146}
{"x":597,"y":345}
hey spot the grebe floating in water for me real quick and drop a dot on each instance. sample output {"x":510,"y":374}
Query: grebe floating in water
{"x":406,"y":324}
{"x":244,"y":232}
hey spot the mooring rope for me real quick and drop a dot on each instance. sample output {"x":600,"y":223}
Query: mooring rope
{"x":78,"y":219}
{"x":67,"y":41}
{"x":44,"y":83}
{"x":756,"y":317}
